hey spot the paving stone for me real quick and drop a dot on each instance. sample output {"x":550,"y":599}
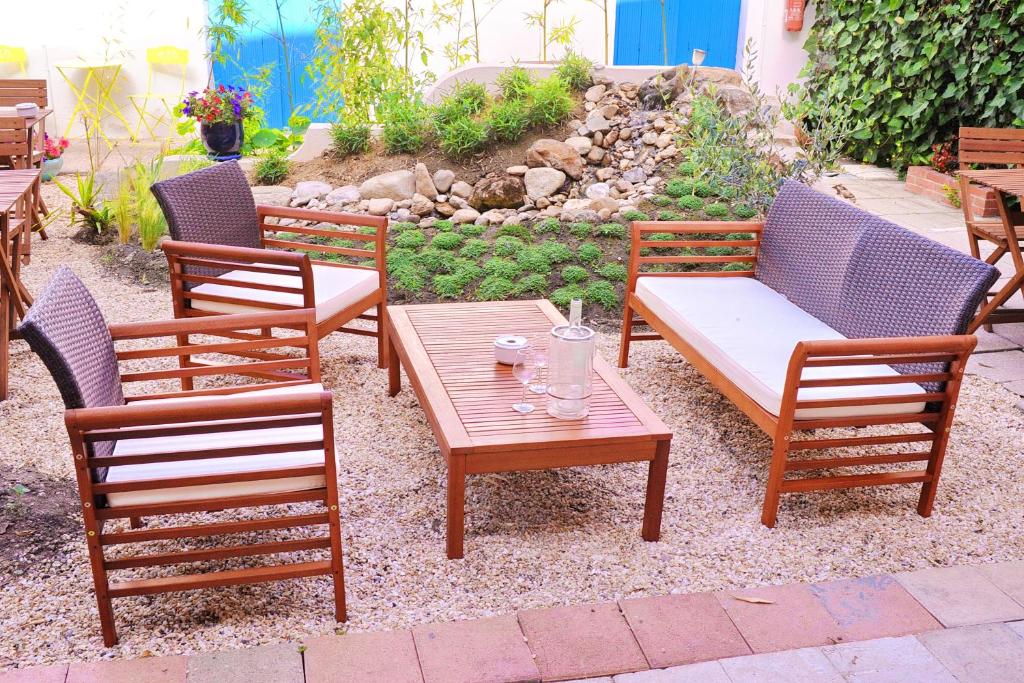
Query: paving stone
{"x":268,"y":664}
{"x":887,"y":660}
{"x":795,"y":619}
{"x":1017,"y":627}
{"x":1012,"y":331}
{"x":1016,"y":386}
{"x":476,"y":650}
{"x":960,"y":596}
{"x":1007,"y":576}
{"x":807,"y":665}
{"x":150,"y":670}
{"x":581,"y":641}
{"x":36,"y":674}
{"x":683,"y":629}
{"x":705,"y":672}
{"x":363,"y":657}
{"x":982,"y":654}
{"x":999,"y":366}
{"x":600,"y":679}
{"x":873,"y":607}
{"x":994,"y":341}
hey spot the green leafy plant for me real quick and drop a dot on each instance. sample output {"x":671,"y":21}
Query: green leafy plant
{"x":589,"y":252}
{"x":563,"y":296}
{"x":716,"y":210}
{"x":572,"y":274}
{"x":515,"y":230}
{"x":445,"y":225}
{"x":272,"y":168}
{"x":602,"y":292}
{"x":350,"y":137}
{"x":733,"y":266}
{"x":952,"y":195}
{"x":401,"y":226}
{"x":475,"y":248}
{"x":86,"y":205}
{"x":462,"y":137}
{"x":611,"y":230}
{"x":514,"y":83}
{"x":406,"y":125}
{"x":447,"y":240}
{"x":495,"y":288}
{"x":575,"y":70}
{"x":702,"y":188}
{"x":123,"y":209}
{"x":550,"y":102}
{"x":502,"y":268}
{"x":669,"y":216}
{"x":687,"y":168}
{"x":635,"y":215}
{"x":448,"y":286}
{"x":532,"y":260}
{"x":508,"y":246}
{"x":581,"y":230}
{"x":410,"y":239}
{"x":468,"y":229}
{"x":508,"y":120}
{"x":679,"y":187}
{"x":690,"y":203}
{"x":661,"y":200}
{"x":613,"y":271}
{"x":436,"y":260}
{"x":555,"y":252}
{"x":547,"y":225}
{"x":534,"y":283}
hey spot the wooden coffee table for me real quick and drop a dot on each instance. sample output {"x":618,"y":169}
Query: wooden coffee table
{"x":447,"y":353}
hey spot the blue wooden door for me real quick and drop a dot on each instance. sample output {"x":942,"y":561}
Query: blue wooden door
{"x":258,"y":47}
{"x":710,"y":25}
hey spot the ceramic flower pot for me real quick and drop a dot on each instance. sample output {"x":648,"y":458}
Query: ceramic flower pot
{"x":51,"y":167}
{"x":223,"y":141}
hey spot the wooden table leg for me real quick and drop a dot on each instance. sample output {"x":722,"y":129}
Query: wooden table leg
{"x":456,"y":506}
{"x":394,"y":370}
{"x":655,"y":502}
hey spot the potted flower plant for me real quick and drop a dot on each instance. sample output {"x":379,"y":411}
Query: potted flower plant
{"x":220,"y":112}
{"x":53,"y":155}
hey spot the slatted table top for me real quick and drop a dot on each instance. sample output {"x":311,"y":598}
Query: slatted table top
{"x":1008,"y":180}
{"x":14,"y":185}
{"x":447,"y":349}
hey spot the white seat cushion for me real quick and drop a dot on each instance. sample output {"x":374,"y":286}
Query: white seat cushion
{"x":749,"y":331}
{"x":334,"y":288}
{"x":242,"y":463}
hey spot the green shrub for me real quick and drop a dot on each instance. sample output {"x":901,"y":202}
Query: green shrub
{"x":550,"y":102}
{"x":508,"y":120}
{"x":716,"y":210}
{"x":462,"y":137}
{"x":515,"y":230}
{"x":272,"y":168}
{"x":401,"y":226}
{"x":502,"y":268}
{"x":398,"y":257}
{"x":445,"y":225}
{"x":727,"y":192}
{"x":611,"y":230}
{"x":744,"y":211}
{"x":690,"y":203}
{"x":475,"y":248}
{"x":408,"y":277}
{"x":679,"y":187}
{"x":447,"y":240}
{"x":589,"y":253}
{"x":514,"y":83}
{"x":574,"y":274}
{"x":555,"y":252}
{"x":495,"y":288}
{"x":613,"y":271}
{"x":548,"y":225}
{"x":634,"y":215}
{"x":581,"y":230}
{"x":720,"y":251}
{"x":602,"y":292}
{"x":405,"y":126}
{"x":464,"y":100}
{"x":350,"y":137}
{"x":534,"y":283}
{"x":466,"y":271}
{"x":563,"y":296}
{"x":702,"y":188}
{"x":736,"y":265}
{"x":661,"y":200}
{"x":508,"y":246}
{"x":739,"y":236}
{"x":669,"y":216}
{"x":410,"y":239}
{"x":532,"y":260}
{"x":660,"y":237}
{"x":448,"y":286}
{"x":687,"y":168}
{"x":436,"y":260}
{"x":575,"y":70}
{"x":470,"y":229}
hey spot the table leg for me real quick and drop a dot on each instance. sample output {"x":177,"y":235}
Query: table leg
{"x":655,"y":502}
{"x":1016,"y":282}
{"x":394,"y":369}
{"x":456,"y":506}
{"x":6,"y":310}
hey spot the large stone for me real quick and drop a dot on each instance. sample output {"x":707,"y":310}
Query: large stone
{"x":635,"y":175}
{"x":543,"y":182}
{"x":598,"y":190}
{"x":737,"y":99}
{"x":596,"y":122}
{"x":379,"y":206}
{"x":424,"y":184}
{"x":308,"y":190}
{"x":556,"y":155}
{"x":517,"y":170}
{"x":465,"y":216}
{"x":421,"y":206}
{"x":396,"y":185}
{"x":595,"y":93}
{"x":445,"y":209}
{"x":346,"y":194}
{"x":580,"y":143}
{"x":501,"y":192}
{"x":462,"y":189}
{"x":275,"y":195}
{"x":443,"y":179}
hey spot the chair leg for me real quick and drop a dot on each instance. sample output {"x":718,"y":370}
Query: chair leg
{"x":382,"y":336}
{"x":780,"y":452}
{"x":337,"y":565}
{"x":627,"y":331}
{"x":136,"y":522}
{"x":185,"y":361}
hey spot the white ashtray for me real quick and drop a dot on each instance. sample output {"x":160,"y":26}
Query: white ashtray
{"x":26,"y":109}
{"x":506,"y":346}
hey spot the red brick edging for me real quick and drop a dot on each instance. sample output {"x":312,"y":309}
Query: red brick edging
{"x":925,"y":180}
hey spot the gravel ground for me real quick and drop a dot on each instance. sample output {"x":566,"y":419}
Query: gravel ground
{"x":533,"y":539}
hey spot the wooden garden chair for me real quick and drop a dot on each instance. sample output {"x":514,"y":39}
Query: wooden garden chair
{"x":14,"y":91}
{"x":227,"y":255}
{"x":151,"y":455}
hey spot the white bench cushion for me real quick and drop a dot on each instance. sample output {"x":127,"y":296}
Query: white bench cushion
{"x":334,"y":289}
{"x":749,"y":331}
{"x":242,"y":463}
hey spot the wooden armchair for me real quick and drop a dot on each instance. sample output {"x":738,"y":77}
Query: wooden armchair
{"x":239,"y":446}
{"x":14,"y":91}
{"x":228,"y":256}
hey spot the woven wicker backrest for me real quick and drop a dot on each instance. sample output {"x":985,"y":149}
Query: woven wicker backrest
{"x":213,"y":205}
{"x":66,"y":328}
{"x":865,"y":276}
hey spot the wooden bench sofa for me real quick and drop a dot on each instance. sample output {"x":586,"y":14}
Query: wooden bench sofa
{"x":836,"y":319}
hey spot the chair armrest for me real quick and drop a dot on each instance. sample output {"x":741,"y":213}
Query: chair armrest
{"x":374,"y":243}
{"x":693,"y":248}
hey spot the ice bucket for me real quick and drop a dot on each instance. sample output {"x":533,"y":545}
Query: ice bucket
{"x":570,"y":371}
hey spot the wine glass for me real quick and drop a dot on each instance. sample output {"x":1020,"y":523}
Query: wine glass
{"x":524,"y":370}
{"x":540,"y":355}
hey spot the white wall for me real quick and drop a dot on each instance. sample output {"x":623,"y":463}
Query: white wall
{"x":780,"y":52}
{"x":54,"y":31}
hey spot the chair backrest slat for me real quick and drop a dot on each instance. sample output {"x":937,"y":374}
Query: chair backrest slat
{"x":991,"y":146}
{"x":17,"y":90}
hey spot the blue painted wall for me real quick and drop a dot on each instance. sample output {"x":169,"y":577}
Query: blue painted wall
{"x":257,"y":47}
{"x":711,"y":25}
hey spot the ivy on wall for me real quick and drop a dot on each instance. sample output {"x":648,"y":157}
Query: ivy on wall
{"x":906,"y":74}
